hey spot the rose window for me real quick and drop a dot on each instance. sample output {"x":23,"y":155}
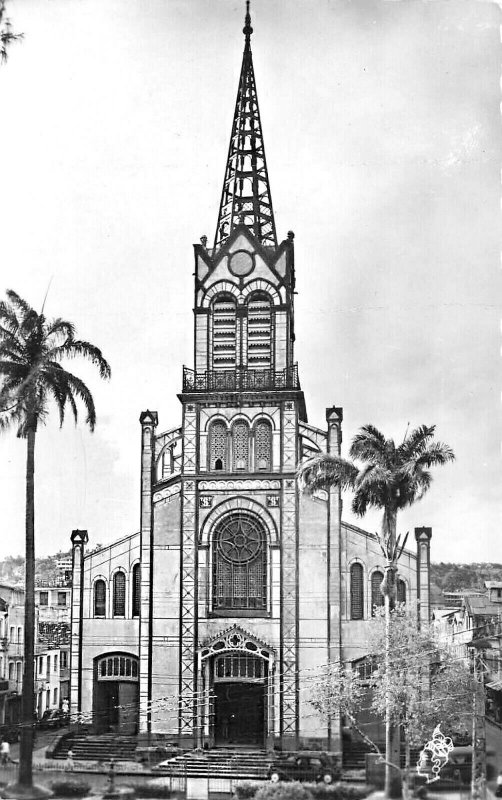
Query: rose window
{"x":239,"y":565}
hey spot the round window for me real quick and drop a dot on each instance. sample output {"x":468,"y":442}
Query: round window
{"x":239,"y":539}
{"x":241,"y":263}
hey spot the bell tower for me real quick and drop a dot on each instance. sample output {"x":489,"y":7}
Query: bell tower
{"x":242,"y":404}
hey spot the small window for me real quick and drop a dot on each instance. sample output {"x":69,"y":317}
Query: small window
{"x":40,"y":665}
{"x":356,"y":592}
{"x":55,"y":700}
{"x":263,"y":446}
{"x":377,"y":598}
{"x":119,"y":596}
{"x":100,"y":599}
{"x":218,"y":446}
{"x":64,"y":659}
{"x":43,"y":599}
{"x":136,"y":589}
{"x":11,"y":670}
{"x":55,"y":663}
{"x":240,"y":445}
{"x":61,"y":598}
{"x":401,"y":591}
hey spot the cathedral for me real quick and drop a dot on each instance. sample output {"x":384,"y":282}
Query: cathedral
{"x":209,"y":626}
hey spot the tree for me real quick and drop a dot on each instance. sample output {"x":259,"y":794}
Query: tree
{"x":391,"y":478}
{"x":31,"y":351}
{"x":6,"y":35}
{"x":421,"y":686}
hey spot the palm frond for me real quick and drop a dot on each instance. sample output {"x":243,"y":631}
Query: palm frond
{"x":80,"y":390}
{"x":77,"y":348}
{"x":415,"y":442}
{"x":324,"y":471}
{"x":436,"y":454}
{"x":369,"y":444}
{"x":61,"y":327}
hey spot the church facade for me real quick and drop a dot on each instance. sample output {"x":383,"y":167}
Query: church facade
{"x":210,"y":624}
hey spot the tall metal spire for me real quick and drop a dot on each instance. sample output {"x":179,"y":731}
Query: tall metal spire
{"x":246,"y":197}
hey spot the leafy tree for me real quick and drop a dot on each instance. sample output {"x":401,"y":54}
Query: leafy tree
{"x":390,"y":478}
{"x":421,"y":686}
{"x":32,"y":348}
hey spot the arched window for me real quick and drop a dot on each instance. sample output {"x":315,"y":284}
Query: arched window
{"x":356,"y":591}
{"x":136,"y":589}
{"x":100,"y":598}
{"x":240,"y":445}
{"x":239,"y":564}
{"x":401,"y":591}
{"x":377,"y":598}
{"x":259,"y":331}
{"x":263,"y":445}
{"x":119,"y":596}
{"x":218,"y":446}
{"x":224,"y":327}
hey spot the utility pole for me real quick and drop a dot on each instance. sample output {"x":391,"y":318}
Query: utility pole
{"x":478,"y":782}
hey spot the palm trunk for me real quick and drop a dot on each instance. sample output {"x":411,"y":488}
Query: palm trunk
{"x":26,"y":747}
{"x":393,"y":784}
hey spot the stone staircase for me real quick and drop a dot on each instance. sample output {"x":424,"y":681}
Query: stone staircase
{"x":97,"y":748}
{"x":241,"y":764}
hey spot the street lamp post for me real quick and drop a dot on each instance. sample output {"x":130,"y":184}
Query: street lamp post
{"x":478,"y":780}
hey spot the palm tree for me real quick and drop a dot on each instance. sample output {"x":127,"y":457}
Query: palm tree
{"x":391,"y":478}
{"x":31,"y":350}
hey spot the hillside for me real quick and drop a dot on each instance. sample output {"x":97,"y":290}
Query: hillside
{"x":449,"y":577}
{"x":12,"y":569}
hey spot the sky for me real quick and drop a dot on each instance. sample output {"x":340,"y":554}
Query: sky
{"x":382,"y":132}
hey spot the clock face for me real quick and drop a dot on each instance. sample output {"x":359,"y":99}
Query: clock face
{"x":241,"y":263}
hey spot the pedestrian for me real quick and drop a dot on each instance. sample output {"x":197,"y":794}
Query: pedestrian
{"x":69,"y":761}
{"x":498,"y":790}
{"x":5,"y":752}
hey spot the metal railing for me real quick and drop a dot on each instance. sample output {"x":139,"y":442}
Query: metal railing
{"x":240,"y":380}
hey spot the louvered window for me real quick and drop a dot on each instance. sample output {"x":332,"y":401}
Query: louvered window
{"x":100,"y":599}
{"x":259,"y":332}
{"x":356,"y":591}
{"x":119,"y":597}
{"x":136,"y":589}
{"x":239,"y":564}
{"x":401,"y":591}
{"x":218,"y":446}
{"x":240,"y":445}
{"x":377,"y":599}
{"x":263,"y":446}
{"x":224,"y":327}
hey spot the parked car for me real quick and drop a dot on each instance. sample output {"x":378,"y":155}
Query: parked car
{"x":53,"y":718}
{"x":305,"y":766}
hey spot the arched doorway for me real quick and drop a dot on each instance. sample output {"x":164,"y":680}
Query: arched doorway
{"x":239,"y":699}
{"x":237,"y":707}
{"x":116,"y":693}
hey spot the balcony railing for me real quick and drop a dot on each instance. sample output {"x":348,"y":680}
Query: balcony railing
{"x":240,"y":380}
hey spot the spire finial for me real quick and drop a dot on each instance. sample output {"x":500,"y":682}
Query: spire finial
{"x":247,"y":29}
{"x":245,"y":198}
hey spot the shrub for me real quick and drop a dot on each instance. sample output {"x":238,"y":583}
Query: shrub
{"x":283,"y":791}
{"x":150,"y":789}
{"x":70,"y":788}
{"x":247,"y":789}
{"x":337,"y":791}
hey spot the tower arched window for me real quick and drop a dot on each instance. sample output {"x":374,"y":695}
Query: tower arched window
{"x":119,"y":594}
{"x":224,"y":332}
{"x":100,"y":598}
{"x":400,"y":591}
{"x":218,"y":446}
{"x":263,"y":445}
{"x":240,"y":445}
{"x":377,"y":599}
{"x":259,"y":331}
{"x":136,"y":589}
{"x":356,"y":591}
{"x":239,"y":564}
